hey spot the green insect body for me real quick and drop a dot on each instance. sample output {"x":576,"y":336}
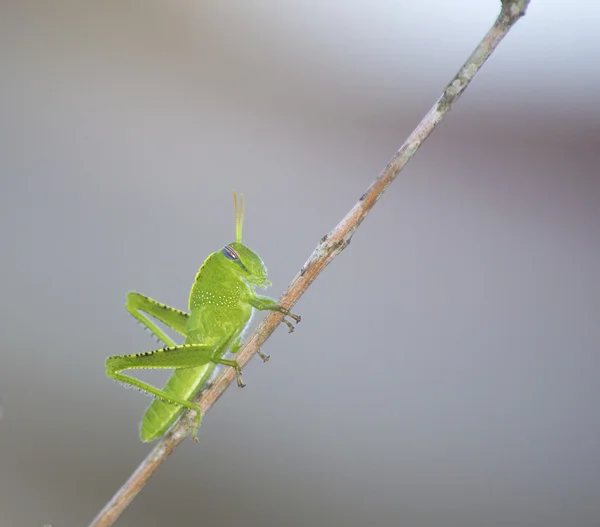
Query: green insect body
{"x":221,"y":304}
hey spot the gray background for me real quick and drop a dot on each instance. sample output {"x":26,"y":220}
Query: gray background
{"x":446,"y":369}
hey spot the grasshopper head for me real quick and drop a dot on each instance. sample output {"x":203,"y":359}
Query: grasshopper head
{"x":246,"y":263}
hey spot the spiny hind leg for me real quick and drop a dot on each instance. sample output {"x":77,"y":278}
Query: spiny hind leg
{"x":139,"y":306}
{"x":175,"y":357}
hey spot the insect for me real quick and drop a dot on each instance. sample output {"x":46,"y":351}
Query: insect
{"x":221,"y":303}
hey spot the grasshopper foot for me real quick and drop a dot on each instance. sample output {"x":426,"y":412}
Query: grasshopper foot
{"x":289,"y":325}
{"x":296,"y":318}
{"x":238,"y":377}
{"x":263,"y":356}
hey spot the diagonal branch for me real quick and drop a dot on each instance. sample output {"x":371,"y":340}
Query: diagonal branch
{"x":329,"y":247}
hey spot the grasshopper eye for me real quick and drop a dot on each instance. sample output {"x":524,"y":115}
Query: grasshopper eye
{"x":230,"y":253}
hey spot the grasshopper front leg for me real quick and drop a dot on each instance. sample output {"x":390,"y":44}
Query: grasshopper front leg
{"x":264,"y":303}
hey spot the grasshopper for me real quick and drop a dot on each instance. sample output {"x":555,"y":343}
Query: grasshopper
{"x":220,"y":306}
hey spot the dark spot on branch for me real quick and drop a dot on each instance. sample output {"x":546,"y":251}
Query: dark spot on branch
{"x":340,"y":245}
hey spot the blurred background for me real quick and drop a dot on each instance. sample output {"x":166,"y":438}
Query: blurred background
{"x":446,"y":371}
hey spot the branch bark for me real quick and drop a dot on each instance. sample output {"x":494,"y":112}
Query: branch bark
{"x":329,"y":247}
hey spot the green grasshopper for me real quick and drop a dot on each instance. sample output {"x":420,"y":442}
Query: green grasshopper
{"x":221,"y":304}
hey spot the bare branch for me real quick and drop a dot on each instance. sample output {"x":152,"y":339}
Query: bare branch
{"x":329,"y":247}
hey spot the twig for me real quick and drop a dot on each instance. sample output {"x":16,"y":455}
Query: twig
{"x":329,"y":247}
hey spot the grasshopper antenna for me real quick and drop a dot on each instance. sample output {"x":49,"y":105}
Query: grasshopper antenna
{"x":239,"y":216}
